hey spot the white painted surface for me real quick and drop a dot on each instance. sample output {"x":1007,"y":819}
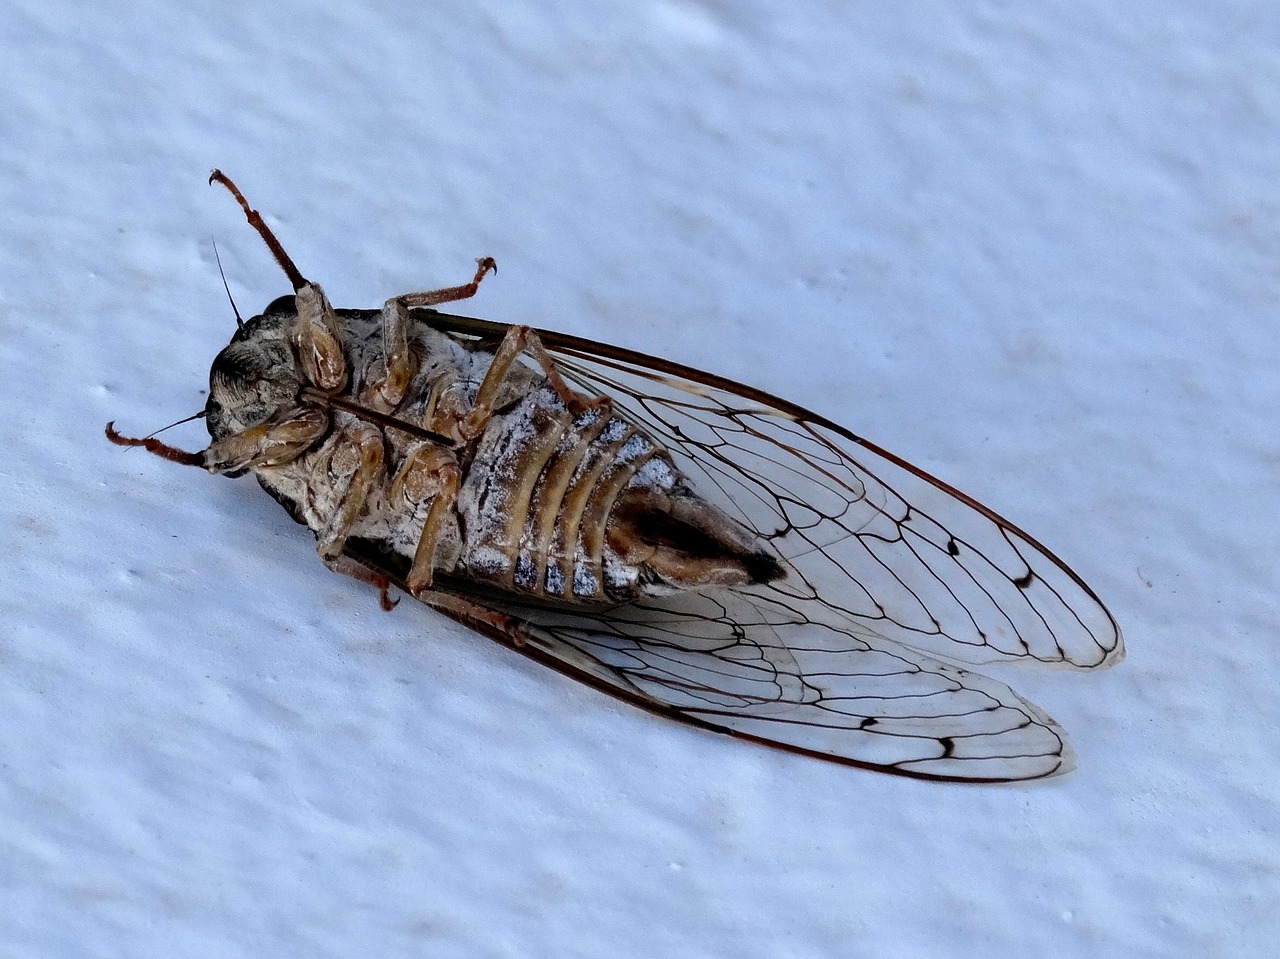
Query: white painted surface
{"x":1035,"y":250}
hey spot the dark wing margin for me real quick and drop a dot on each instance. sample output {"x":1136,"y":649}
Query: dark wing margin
{"x":887,"y":568}
{"x":717,"y":662}
{"x":874,"y":544}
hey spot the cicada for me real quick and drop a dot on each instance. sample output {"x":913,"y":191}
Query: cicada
{"x":693,"y":546}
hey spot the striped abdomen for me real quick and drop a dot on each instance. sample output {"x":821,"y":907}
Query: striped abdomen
{"x":589,"y":509}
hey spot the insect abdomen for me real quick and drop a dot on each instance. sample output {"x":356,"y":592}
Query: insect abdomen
{"x":587,"y":509}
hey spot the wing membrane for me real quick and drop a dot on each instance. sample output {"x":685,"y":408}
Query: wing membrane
{"x":888,"y":568}
{"x":875,"y":543}
{"x":721,"y":662}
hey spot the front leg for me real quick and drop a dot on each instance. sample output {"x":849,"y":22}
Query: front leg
{"x":316,"y":340}
{"x":315,"y":331}
{"x":274,"y":443}
{"x":278,"y":441}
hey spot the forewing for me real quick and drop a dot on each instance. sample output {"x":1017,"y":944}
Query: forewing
{"x":873,"y":545}
{"x":887,"y":568}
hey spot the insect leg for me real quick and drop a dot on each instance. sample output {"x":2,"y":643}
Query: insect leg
{"x":273,"y":443}
{"x":153,"y":445}
{"x":465,"y":611}
{"x":519,"y":339}
{"x":353,"y":469}
{"x":428,"y":472}
{"x":256,"y":221}
{"x":396,"y":324}
{"x":315,"y":334}
{"x":358,"y":571}
{"x":484,"y":265}
{"x":402,"y":365}
{"x":315,"y":338}
{"x":475,"y":615}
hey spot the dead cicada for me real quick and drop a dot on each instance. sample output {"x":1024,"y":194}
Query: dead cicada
{"x":691,"y":545}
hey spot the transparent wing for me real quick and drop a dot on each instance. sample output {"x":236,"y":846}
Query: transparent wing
{"x":887,"y":568}
{"x":874,"y":546}
{"x":722,"y":662}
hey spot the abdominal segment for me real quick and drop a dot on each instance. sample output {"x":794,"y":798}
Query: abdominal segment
{"x":588,"y":509}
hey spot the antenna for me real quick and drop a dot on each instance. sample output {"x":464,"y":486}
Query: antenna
{"x":239,"y":322}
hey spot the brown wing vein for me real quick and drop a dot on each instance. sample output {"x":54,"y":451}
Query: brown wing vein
{"x":887,"y":568}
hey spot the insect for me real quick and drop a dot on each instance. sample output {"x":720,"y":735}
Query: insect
{"x":694,"y":546}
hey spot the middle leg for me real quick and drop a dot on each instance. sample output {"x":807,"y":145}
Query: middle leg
{"x":428,"y":472}
{"x":354,"y":468}
{"x":397,"y":322}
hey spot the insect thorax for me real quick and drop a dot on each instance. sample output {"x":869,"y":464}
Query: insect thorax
{"x":583,"y":508}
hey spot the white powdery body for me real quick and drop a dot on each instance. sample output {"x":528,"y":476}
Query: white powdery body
{"x":584,"y":581}
{"x":534,"y":511}
{"x":656,"y":474}
{"x":486,"y":535}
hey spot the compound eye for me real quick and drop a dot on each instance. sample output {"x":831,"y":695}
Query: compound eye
{"x":249,"y":382}
{"x":236,"y":367}
{"x":281,"y":304}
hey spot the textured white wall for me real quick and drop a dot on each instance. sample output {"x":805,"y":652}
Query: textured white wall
{"x":1035,"y":250}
